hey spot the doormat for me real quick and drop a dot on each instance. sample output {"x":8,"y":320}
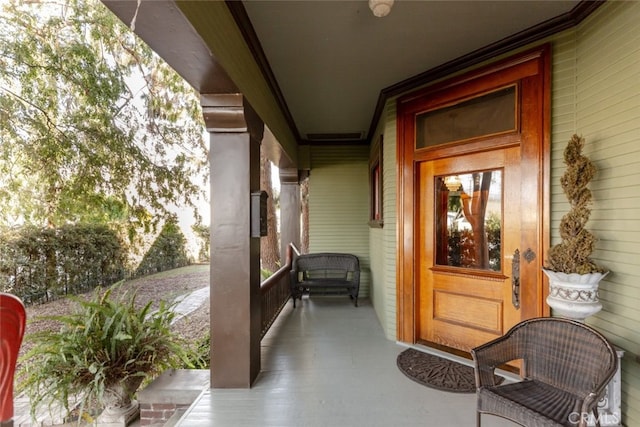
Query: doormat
{"x":437,"y":372}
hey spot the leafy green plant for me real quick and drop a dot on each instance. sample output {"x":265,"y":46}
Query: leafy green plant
{"x":572,"y":254}
{"x":102,"y":345}
{"x":199,"y":356}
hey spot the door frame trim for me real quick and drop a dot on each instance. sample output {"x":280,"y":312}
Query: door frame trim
{"x":536,"y":61}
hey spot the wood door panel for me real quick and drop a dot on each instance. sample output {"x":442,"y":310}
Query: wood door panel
{"x":457,"y":336}
{"x":467,"y":310}
{"x":470,"y":282}
{"x":462,"y":305}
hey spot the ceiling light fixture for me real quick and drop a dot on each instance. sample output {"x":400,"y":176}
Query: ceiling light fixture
{"x":380,"y":8}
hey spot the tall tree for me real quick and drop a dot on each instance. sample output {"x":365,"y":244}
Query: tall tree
{"x":94,"y":125}
{"x":269,"y":248}
{"x":203,"y":234}
{"x":304,"y":201}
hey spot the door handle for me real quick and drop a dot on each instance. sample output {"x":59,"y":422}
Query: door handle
{"x":515,"y":279}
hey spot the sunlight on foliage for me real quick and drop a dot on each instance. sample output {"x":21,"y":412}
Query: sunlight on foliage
{"x":95,"y":126}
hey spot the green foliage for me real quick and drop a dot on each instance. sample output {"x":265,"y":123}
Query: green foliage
{"x":462,"y":245}
{"x":95,"y":127}
{"x":103,"y":343}
{"x":199,"y":356}
{"x":493,"y":228}
{"x":461,"y":248}
{"x":265,"y":273}
{"x":167,"y":252}
{"x":572,"y":254}
{"x":203,"y":233}
{"x":38,"y":264}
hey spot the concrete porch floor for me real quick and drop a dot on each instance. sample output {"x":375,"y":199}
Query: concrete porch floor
{"x":328,"y":363}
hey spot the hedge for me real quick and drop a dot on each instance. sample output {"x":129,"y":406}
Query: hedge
{"x":39,"y":264}
{"x":167,"y":252}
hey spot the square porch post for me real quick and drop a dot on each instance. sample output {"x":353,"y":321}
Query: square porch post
{"x":234,"y":156}
{"x":289,"y":210}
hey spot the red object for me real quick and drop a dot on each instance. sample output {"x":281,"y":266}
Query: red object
{"x":12,"y":324}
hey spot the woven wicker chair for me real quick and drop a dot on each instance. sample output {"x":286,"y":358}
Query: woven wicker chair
{"x":566,"y":367}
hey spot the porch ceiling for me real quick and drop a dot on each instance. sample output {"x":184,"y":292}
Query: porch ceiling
{"x":332,"y":59}
{"x":319,"y":71}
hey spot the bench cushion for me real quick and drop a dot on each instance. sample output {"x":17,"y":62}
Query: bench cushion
{"x":325,"y":283}
{"x":526,"y":401}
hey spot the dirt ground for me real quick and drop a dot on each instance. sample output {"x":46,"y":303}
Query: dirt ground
{"x":157,"y":287}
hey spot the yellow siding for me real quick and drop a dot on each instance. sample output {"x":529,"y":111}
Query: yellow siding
{"x":339,"y":204}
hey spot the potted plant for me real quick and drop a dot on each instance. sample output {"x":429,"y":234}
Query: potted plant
{"x":100,"y":356}
{"x":573,"y":276}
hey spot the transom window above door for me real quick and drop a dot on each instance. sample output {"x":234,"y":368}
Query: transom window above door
{"x":489,"y":114}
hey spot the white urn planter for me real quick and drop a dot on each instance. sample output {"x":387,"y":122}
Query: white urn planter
{"x":120,"y":410}
{"x":574,"y":296}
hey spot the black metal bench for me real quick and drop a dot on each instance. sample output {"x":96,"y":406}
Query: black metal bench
{"x":326,"y":273}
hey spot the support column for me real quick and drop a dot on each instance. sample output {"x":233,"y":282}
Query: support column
{"x":234,"y":156}
{"x":289,"y":210}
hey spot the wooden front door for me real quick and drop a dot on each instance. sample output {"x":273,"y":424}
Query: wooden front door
{"x":468,"y":287}
{"x":472,"y":204}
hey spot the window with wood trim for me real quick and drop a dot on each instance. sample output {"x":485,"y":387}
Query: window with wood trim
{"x":375,"y":186}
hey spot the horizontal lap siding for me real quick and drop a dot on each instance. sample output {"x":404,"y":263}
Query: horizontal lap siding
{"x":339,"y":204}
{"x":563,"y":119}
{"x":382,"y":242}
{"x":596,"y":93}
{"x":390,"y":233}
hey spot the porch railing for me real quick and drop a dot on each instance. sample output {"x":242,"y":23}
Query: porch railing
{"x":276,"y":290}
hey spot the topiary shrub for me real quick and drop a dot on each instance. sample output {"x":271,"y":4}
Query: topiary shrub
{"x":572,"y":254}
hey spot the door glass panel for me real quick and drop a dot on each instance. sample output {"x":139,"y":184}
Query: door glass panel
{"x":469,"y":220}
{"x":488,"y":114}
